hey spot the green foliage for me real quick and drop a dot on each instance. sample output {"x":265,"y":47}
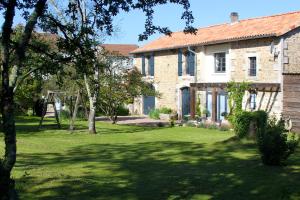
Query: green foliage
{"x":119,"y":86}
{"x":190,"y":124}
{"x":198,"y":109}
{"x":236,"y":92}
{"x":30,"y":112}
{"x":154,"y":114}
{"x":172,"y":123}
{"x":122,"y":111}
{"x":274,"y":145}
{"x":65,"y":114}
{"x":241,"y":123}
{"x":243,"y":119}
{"x":224,"y":127}
{"x":212,"y":126}
{"x":206,"y":112}
{"x":165,"y":110}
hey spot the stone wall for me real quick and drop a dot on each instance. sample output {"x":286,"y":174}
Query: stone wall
{"x":291,"y":49}
{"x":169,"y":84}
{"x":268,"y":65}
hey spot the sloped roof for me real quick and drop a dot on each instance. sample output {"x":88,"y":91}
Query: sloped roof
{"x":269,"y":26}
{"x":120,"y":49}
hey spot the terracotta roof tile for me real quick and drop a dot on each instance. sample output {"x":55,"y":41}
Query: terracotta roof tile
{"x":275,"y":25}
{"x":122,"y":49}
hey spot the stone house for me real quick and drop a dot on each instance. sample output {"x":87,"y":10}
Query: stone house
{"x":187,"y":68}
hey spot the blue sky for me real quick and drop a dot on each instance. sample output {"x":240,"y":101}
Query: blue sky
{"x":206,"y":12}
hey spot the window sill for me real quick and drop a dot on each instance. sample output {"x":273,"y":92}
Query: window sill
{"x":219,"y":73}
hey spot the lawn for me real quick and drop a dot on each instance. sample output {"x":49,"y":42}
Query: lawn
{"x":127,"y":162}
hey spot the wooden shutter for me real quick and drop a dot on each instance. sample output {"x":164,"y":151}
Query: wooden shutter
{"x":143,"y":66}
{"x":179,"y":62}
{"x":192,"y":64}
{"x":152,"y":65}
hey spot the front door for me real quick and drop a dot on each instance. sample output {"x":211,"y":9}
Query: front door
{"x":185,"y":101}
{"x":149,"y":104}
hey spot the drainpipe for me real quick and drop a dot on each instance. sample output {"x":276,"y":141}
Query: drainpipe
{"x":195,"y":72}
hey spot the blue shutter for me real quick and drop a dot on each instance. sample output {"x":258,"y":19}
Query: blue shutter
{"x":187,"y":70}
{"x":152,"y":65}
{"x":192,"y":64}
{"x":143,"y":66}
{"x":179,"y":62}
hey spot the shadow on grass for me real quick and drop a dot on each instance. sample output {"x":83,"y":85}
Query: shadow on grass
{"x":160,"y":170}
{"x":30,"y":125}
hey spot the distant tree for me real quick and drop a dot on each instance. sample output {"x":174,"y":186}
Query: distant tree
{"x":99,"y":15}
{"x":119,"y":86}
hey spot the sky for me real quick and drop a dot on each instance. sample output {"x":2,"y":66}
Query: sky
{"x":206,"y":13}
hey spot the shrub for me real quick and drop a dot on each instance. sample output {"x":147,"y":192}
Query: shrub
{"x":241,"y":122}
{"x":172,"y":123}
{"x":224,"y":127}
{"x":212,"y":126}
{"x":160,"y":124}
{"x":122,"y":111}
{"x":29,"y":112}
{"x":206,"y":112}
{"x":64,"y":114}
{"x":165,"y":110}
{"x":201,"y":125}
{"x":154,"y":114}
{"x":190,"y":124}
{"x":274,"y":145}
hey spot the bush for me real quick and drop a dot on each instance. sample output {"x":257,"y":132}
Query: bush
{"x":241,"y":122}
{"x":274,"y":145}
{"x":224,"y":127}
{"x":165,"y":110}
{"x":172,"y":123}
{"x":64,"y":114}
{"x":154,"y":114}
{"x":29,"y":112}
{"x":212,"y":126}
{"x":201,"y":125}
{"x":122,"y":111}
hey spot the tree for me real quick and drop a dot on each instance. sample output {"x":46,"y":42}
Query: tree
{"x":119,"y":86}
{"x":101,"y":18}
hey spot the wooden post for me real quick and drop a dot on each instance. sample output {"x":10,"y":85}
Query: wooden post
{"x":214,"y":105}
{"x":193,"y":102}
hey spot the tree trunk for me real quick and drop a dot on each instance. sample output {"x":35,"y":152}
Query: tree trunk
{"x":92,"y":117}
{"x":9,"y":130}
{"x":92,"y":101}
{"x":75,"y":111}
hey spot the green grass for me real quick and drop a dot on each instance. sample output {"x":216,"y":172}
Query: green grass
{"x":126,"y":162}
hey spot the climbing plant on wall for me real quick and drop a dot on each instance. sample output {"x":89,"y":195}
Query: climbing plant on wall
{"x":236,"y":92}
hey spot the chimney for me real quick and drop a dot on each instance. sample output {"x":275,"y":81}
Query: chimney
{"x":234,"y":17}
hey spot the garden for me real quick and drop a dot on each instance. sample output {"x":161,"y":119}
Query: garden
{"x":130,"y":162}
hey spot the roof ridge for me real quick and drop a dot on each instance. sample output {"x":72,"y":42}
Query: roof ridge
{"x":270,"y":16}
{"x":254,"y":18}
{"x":118,"y":44}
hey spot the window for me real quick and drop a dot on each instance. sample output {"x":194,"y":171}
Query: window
{"x":220,"y":62}
{"x":252,"y":67}
{"x":252,"y":101}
